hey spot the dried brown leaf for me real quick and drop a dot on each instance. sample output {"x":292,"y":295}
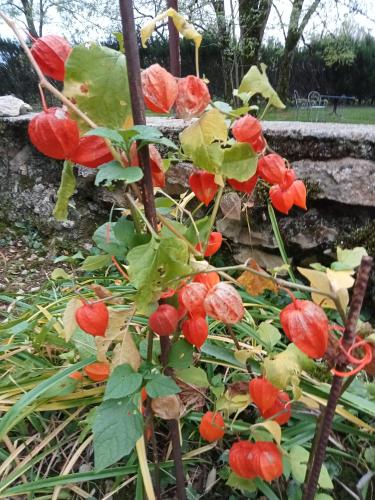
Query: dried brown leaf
{"x":254,"y":284}
{"x":167,"y":407}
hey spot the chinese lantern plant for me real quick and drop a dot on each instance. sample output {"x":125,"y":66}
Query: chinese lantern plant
{"x":174,"y":298}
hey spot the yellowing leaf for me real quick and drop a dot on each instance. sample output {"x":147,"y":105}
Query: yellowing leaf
{"x":185,"y":28}
{"x":256,"y":82}
{"x":284,"y":368}
{"x":69,"y":317}
{"x":329,"y":281}
{"x":197,"y":139}
{"x":116,"y":323}
{"x":231,"y":404}
{"x":244,"y":354}
{"x":254,"y":284}
{"x":127,"y":352}
{"x":351,"y":258}
{"x":272,"y":427}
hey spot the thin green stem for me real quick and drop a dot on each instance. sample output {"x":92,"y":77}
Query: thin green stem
{"x":265,"y":110}
{"x":279,"y":240}
{"x":139,"y":212}
{"x":173,"y":230}
{"x":226,"y":113}
{"x":213,"y":215}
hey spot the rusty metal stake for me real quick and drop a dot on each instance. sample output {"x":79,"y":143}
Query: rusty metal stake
{"x":137,"y":102}
{"x":324,"y":429}
{"x":174,"y":43}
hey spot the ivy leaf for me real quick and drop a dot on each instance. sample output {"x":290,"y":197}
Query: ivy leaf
{"x":117,"y":427}
{"x":65,"y":192}
{"x":256,"y":82}
{"x":194,"y":376}
{"x":96,"y":78}
{"x":197,"y":139}
{"x":239,"y":162}
{"x":298,"y":461}
{"x":161,"y":385}
{"x":95,"y":262}
{"x":122,"y":382}
{"x":180,"y":354}
{"x":113,"y":171}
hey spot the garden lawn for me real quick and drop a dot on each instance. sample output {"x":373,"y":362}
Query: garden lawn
{"x":346,"y":114}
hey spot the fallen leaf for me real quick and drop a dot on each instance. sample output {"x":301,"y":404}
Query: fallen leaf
{"x":254,"y":284}
{"x":101,"y":292}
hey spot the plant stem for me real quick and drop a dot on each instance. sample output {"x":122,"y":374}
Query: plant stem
{"x":279,"y":239}
{"x":213,"y":216}
{"x":173,"y":230}
{"x":324,"y":429}
{"x":233,"y":337}
{"x":174,"y":430}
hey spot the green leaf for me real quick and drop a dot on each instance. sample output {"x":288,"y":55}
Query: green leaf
{"x":61,"y":388}
{"x":122,"y":382}
{"x":203,"y":226}
{"x":240,"y":162}
{"x":153,"y":264}
{"x":125,"y":232}
{"x":220,"y":353}
{"x":194,"y":376}
{"x":96,"y":78}
{"x":84,"y":343}
{"x":197,"y":140}
{"x":108,"y":133}
{"x":268,"y":334}
{"x":256,"y":82}
{"x":239,"y":483}
{"x":94,"y":262}
{"x":161,"y":385}
{"x":59,"y":273}
{"x":105,"y":239}
{"x":65,"y":192}
{"x":180,"y":354}
{"x":113,"y":171}
{"x":118,"y":426}
{"x":298,"y":461}
{"x":151,"y":135}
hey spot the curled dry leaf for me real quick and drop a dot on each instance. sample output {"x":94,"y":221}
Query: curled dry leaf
{"x":167,"y":407}
{"x":191,"y":397}
{"x":241,"y":387}
{"x":69,"y":317}
{"x":102,"y":293}
{"x":254,"y":284}
{"x":231,"y":206}
{"x":127,"y":352}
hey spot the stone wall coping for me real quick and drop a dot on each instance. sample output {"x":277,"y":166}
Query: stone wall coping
{"x":342,"y":131}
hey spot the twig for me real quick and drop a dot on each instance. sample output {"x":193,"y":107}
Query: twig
{"x":324,"y":429}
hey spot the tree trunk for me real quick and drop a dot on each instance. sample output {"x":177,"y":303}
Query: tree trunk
{"x":253,"y":18}
{"x":28,"y":12}
{"x":293,"y":36}
{"x":224,"y":43}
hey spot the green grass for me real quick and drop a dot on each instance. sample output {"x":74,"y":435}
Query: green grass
{"x":346,"y":114}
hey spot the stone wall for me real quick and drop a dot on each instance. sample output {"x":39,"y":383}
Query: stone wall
{"x":337,"y":162}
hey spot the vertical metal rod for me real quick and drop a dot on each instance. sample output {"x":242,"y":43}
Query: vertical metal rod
{"x":137,"y":103}
{"x":324,"y":429}
{"x":174,"y":43}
